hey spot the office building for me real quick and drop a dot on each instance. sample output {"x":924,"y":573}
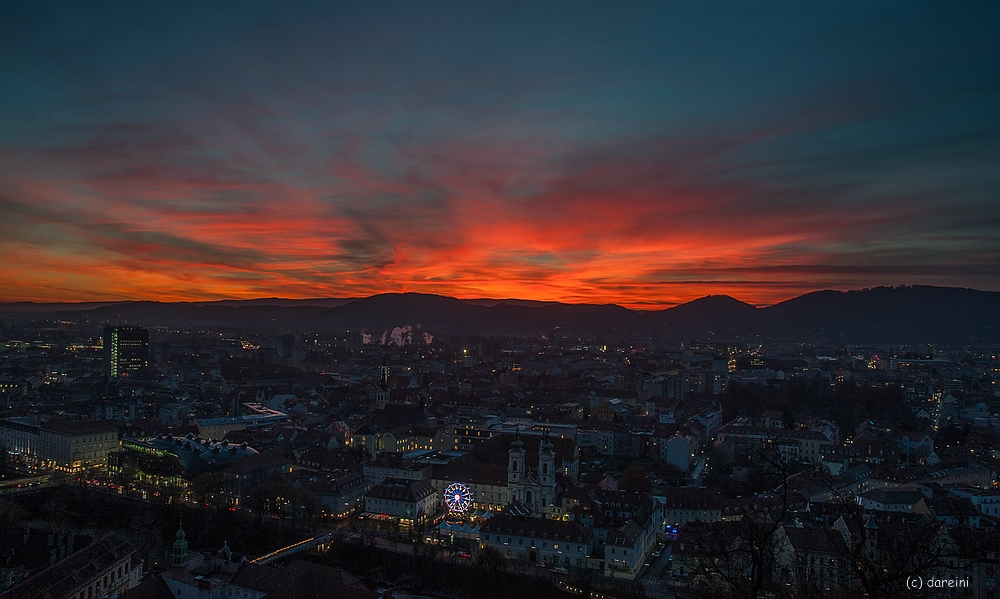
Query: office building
{"x":126,"y":350}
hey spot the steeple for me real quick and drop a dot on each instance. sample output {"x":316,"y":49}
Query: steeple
{"x":546,"y":462}
{"x":871,"y":538}
{"x":381,"y":397}
{"x":515,"y":460}
{"x":546,"y":474}
{"x":179,"y":550}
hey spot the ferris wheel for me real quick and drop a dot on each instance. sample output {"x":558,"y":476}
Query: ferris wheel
{"x":457,"y":497}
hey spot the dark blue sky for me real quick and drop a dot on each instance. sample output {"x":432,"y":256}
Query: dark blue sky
{"x":642,"y":155}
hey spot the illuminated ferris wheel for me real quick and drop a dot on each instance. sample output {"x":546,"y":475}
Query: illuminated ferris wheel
{"x":457,"y":497}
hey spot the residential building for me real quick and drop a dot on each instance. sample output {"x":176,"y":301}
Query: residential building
{"x":410,"y":503}
{"x":107,"y":567}
{"x":538,"y":540}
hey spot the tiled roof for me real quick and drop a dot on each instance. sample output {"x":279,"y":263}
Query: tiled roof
{"x":67,"y":575}
{"x":411,"y":491}
{"x":541,"y":528}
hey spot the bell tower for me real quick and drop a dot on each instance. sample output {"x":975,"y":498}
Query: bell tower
{"x":515,"y":469}
{"x":546,"y":472}
{"x":179,"y":550}
{"x":515,"y":461}
{"x":381,"y":397}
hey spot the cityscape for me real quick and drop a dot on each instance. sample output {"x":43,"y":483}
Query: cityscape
{"x":459,"y":301}
{"x":156,"y":460}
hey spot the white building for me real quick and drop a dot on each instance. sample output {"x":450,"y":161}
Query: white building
{"x":410,"y":503}
{"x":538,"y":540}
{"x":535,"y":490}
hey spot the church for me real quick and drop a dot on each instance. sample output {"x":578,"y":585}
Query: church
{"x":537,"y":491}
{"x":538,"y":470}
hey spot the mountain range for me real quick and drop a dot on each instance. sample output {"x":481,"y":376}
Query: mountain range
{"x":910,"y":314}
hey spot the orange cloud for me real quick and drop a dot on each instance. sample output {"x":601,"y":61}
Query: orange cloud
{"x":645,"y":224}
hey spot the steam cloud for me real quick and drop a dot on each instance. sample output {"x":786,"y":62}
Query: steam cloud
{"x":399,"y":335}
{"x":399,"y":332}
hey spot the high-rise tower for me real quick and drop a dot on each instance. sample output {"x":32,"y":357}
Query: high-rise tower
{"x":126,"y":349}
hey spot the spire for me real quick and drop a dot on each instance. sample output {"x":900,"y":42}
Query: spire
{"x":546,"y":474}
{"x":179,"y":550}
{"x":515,"y":465}
{"x":546,"y":443}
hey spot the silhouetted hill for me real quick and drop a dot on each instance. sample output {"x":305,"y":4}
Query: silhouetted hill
{"x":325,"y":302}
{"x":450,"y":315}
{"x":721,"y":315}
{"x":886,"y":314}
{"x":485,"y":301}
{"x":29,"y":308}
{"x":389,"y":310}
{"x":878,"y":315}
{"x":179,"y":314}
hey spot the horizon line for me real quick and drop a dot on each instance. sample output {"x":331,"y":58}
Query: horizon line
{"x":663,"y":306}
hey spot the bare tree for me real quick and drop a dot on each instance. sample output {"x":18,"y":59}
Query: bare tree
{"x":877,"y":554}
{"x":749,"y":556}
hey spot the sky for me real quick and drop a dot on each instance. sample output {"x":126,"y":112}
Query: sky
{"x":645,"y":154}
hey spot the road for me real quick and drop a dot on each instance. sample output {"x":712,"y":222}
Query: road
{"x":698,"y":471}
{"x":653,"y":578}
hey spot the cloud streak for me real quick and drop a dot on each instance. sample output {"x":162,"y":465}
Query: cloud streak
{"x":596,"y":160}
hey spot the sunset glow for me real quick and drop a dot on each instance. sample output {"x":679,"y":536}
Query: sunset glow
{"x":640,"y":159}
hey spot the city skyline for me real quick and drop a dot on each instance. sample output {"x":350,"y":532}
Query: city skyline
{"x":645,"y":156}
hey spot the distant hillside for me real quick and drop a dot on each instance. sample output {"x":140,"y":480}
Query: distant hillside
{"x":720,"y":315}
{"x":449,"y":315}
{"x":878,"y":315}
{"x":918,"y":313}
{"x":28,"y":308}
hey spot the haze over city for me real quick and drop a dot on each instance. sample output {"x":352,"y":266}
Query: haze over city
{"x":645,"y":156}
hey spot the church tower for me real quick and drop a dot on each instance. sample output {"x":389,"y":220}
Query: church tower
{"x":383,"y":372}
{"x":381,"y":397}
{"x":515,"y":468}
{"x":179,"y":551}
{"x":546,"y":472}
